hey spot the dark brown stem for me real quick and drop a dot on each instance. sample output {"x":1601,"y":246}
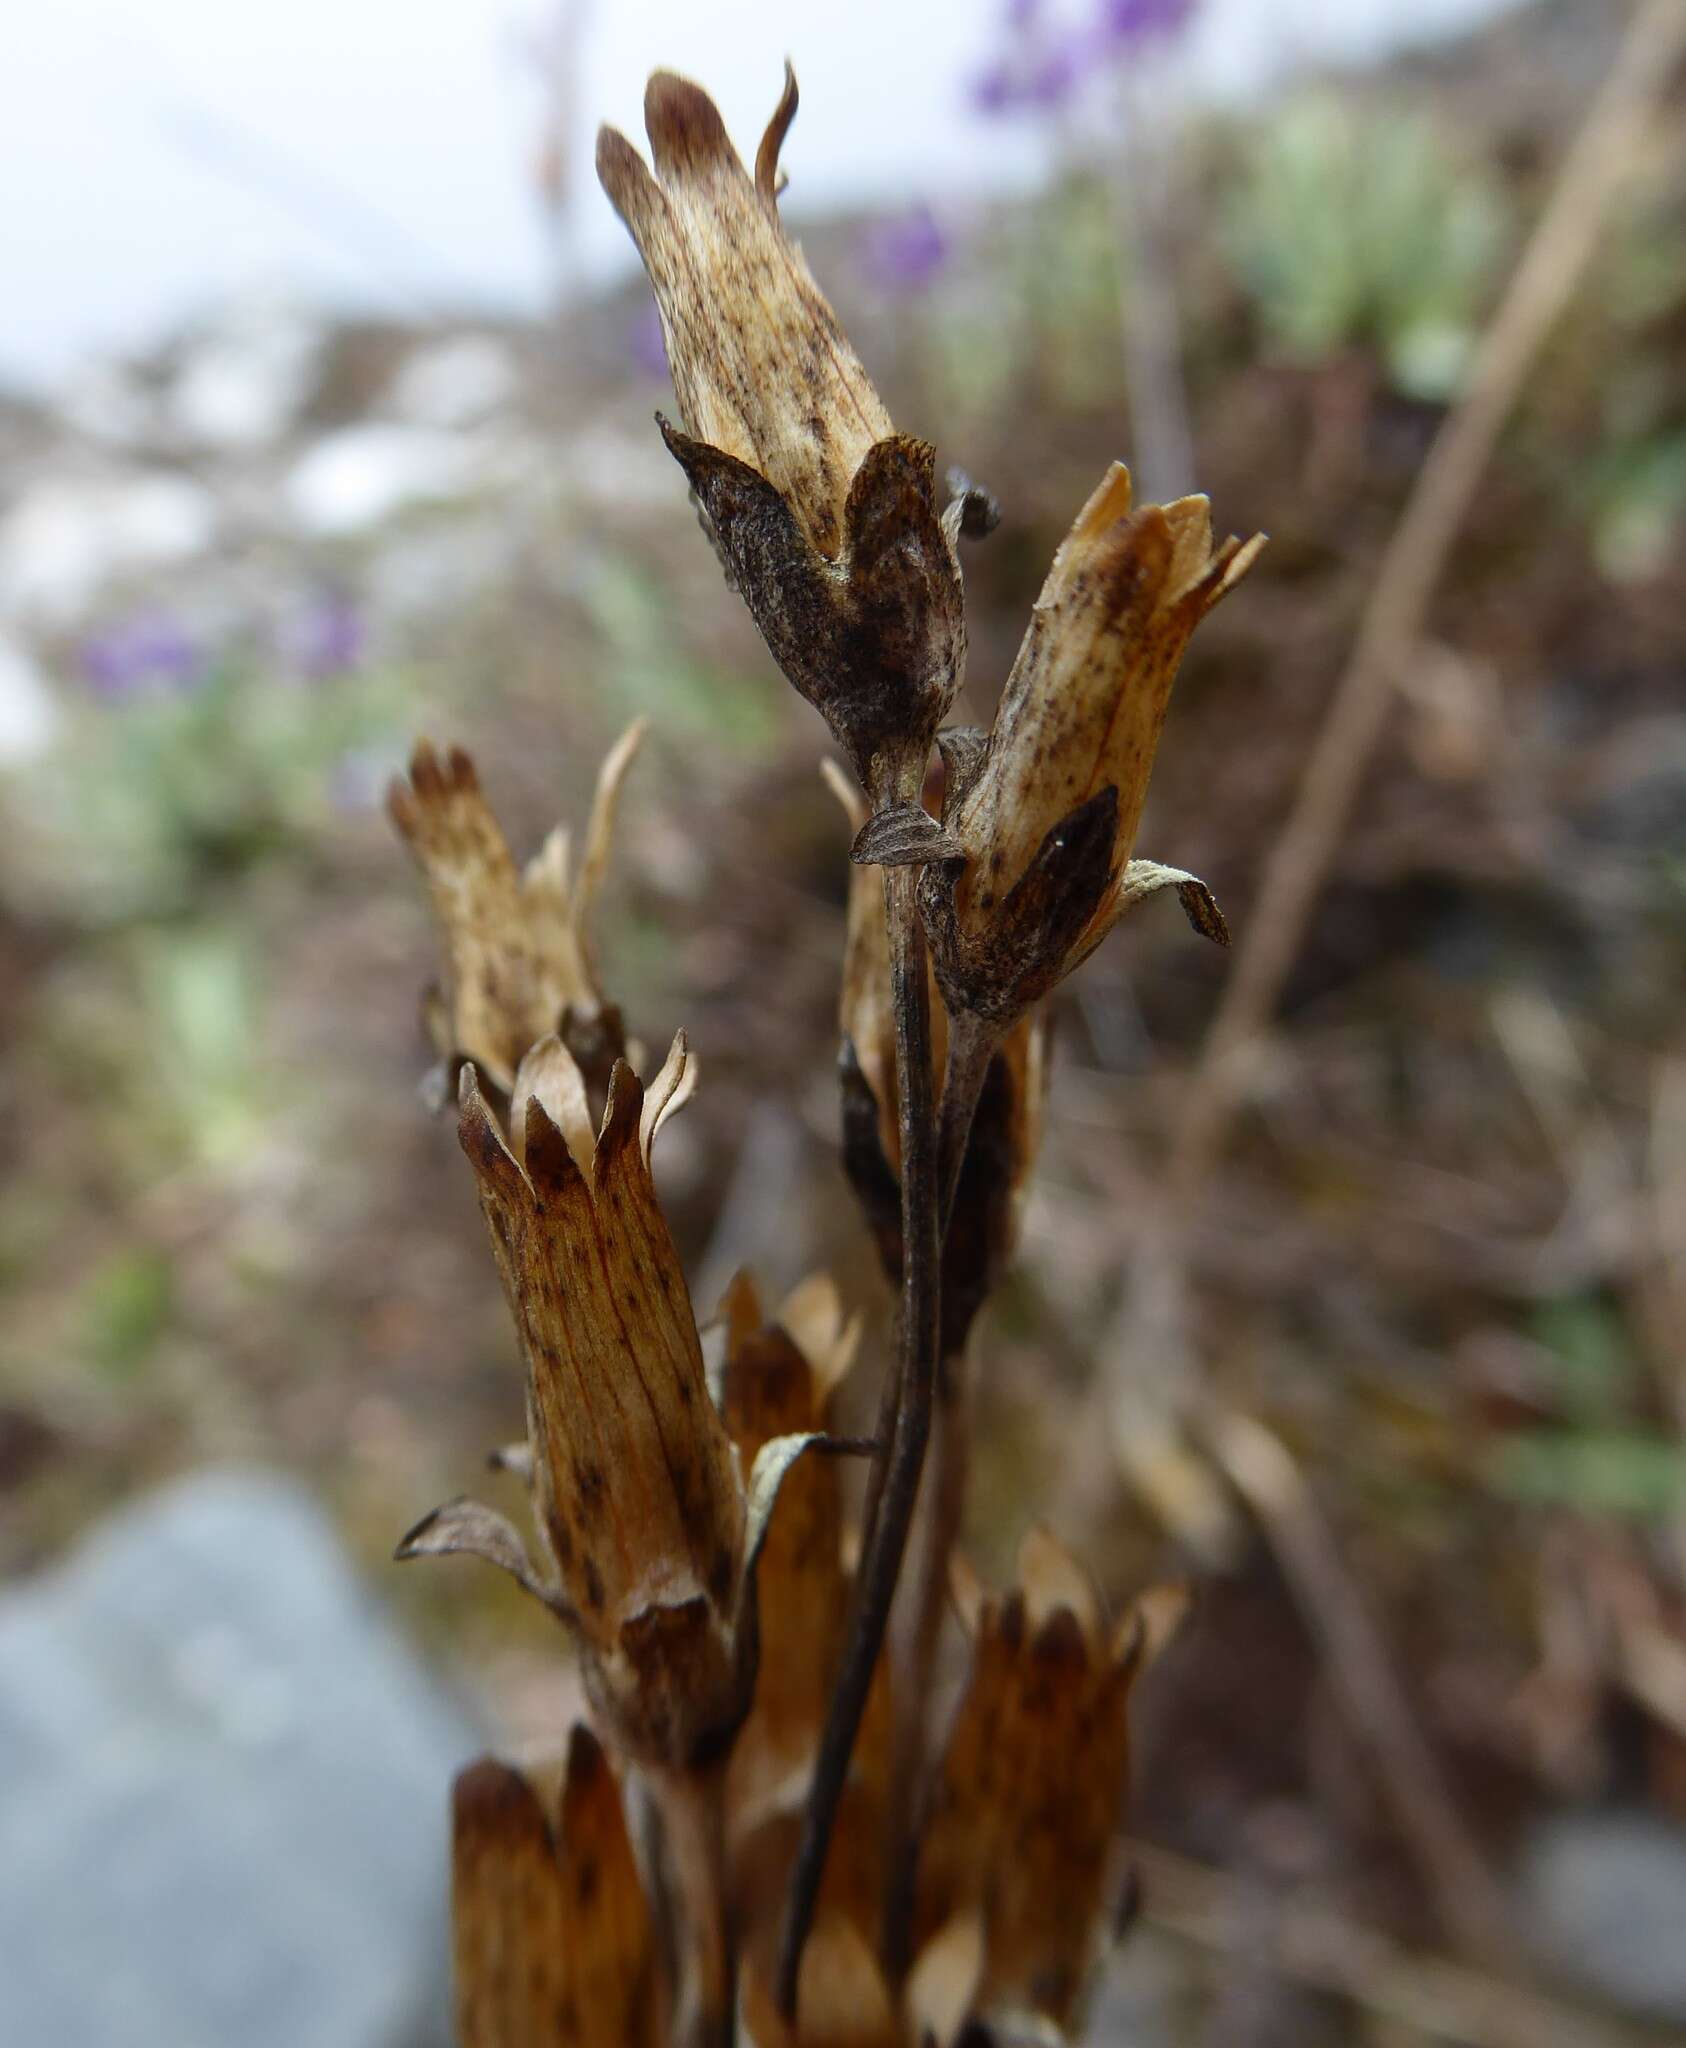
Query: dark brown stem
{"x":901,"y":1455}
{"x":972,"y":1045}
{"x":951,"y":1464}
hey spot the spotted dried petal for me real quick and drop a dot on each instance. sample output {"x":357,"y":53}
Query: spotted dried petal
{"x":762,"y":369}
{"x":518,"y":958}
{"x":1027,"y":1797}
{"x":1047,"y":816}
{"x":552,"y":1937}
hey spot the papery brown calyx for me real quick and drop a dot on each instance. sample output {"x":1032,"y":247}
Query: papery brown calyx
{"x":520,"y":962}
{"x":826,"y":519}
{"x":1034,"y":864}
{"x":1028,"y":1794}
{"x":649,"y":1533}
{"x":551,"y":1934}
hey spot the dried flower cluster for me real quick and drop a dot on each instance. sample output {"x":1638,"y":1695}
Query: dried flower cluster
{"x":814,"y":1861}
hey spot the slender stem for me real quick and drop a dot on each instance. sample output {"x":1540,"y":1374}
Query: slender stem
{"x":951,"y":1464}
{"x":902,"y":1451}
{"x":972,"y":1045}
{"x":693,"y":1811}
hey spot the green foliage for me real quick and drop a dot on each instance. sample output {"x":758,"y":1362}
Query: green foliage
{"x":146,"y":802}
{"x":126,"y":1306}
{"x":202,"y":1008}
{"x":1599,"y":1461}
{"x":650,"y":671}
{"x":1357,"y":226}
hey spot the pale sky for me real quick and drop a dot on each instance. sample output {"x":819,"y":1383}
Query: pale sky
{"x":159,"y":156}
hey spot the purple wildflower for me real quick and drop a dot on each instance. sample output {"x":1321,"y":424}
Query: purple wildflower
{"x":1052,"y":80}
{"x":328,"y":639}
{"x":150,"y":653}
{"x":903,"y":252}
{"x":1127,"y":25}
{"x":991,"y":92}
{"x":1040,"y":66}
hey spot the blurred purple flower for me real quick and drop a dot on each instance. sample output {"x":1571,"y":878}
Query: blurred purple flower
{"x":1052,"y":79}
{"x":644,"y":342}
{"x":328,"y":638}
{"x":1127,"y":25}
{"x":1043,"y":66}
{"x":150,"y":653}
{"x":905,"y":251}
{"x":991,"y":92}
{"x":1039,"y":68}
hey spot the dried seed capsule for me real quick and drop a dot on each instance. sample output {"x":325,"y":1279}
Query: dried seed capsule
{"x":826,"y":519}
{"x":519,"y":960}
{"x":1034,"y":863}
{"x":551,"y":1934}
{"x":649,"y":1535}
{"x":1026,"y":1805}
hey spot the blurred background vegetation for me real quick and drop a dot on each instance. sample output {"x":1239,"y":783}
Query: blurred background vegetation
{"x":1444,"y":1255}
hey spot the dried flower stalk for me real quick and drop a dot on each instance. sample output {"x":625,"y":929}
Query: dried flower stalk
{"x":879,"y":1896}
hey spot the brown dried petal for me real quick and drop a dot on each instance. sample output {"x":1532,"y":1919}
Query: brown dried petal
{"x":770,"y":1394}
{"x":763,"y":371}
{"x":1048,"y":818}
{"x":465,"y":1528}
{"x":508,"y":1924}
{"x":634,"y":1482}
{"x":551,"y":1934}
{"x":1027,"y":1798}
{"x":517,"y":944}
{"x":1083,"y":707}
{"x":875,"y":639}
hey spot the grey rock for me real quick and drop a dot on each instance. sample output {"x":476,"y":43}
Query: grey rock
{"x":223,"y":1789}
{"x":1607,"y":1895}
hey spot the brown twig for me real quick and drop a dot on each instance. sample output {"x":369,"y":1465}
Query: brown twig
{"x":1272,"y":1485}
{"x":901,"y":1456}
{"x":1562,"y":243}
